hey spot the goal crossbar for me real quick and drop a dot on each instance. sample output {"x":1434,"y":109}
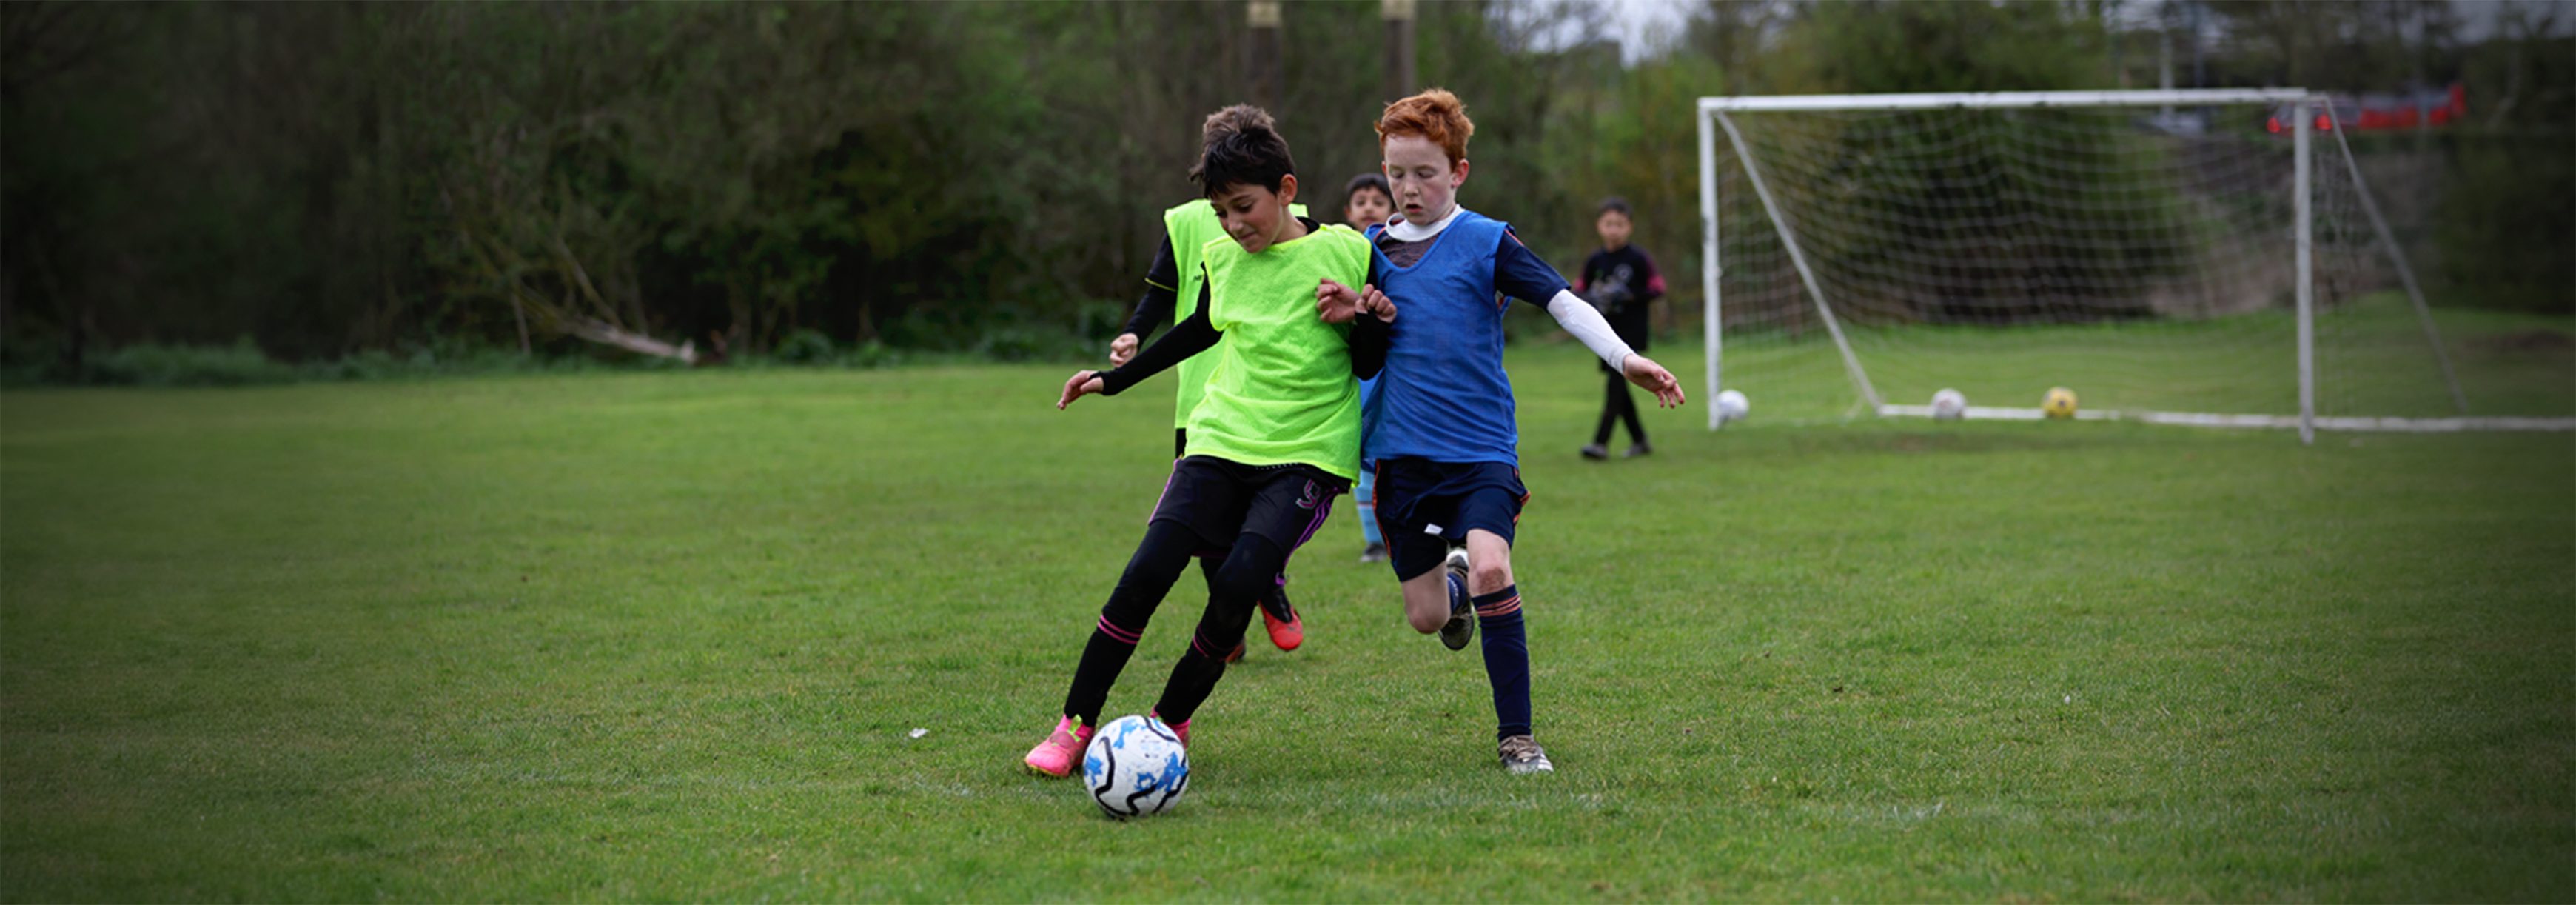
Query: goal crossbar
{"x":1991,"y":99}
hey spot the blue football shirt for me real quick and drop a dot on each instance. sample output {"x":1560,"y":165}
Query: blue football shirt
{"x":1443,"y":395}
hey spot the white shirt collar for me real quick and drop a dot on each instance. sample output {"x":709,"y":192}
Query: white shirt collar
{"x":1407,"y":232}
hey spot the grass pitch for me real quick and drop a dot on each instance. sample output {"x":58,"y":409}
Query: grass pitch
{"x":667,"y":636}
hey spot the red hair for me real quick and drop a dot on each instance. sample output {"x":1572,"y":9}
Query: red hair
{"x":1436,"y":115}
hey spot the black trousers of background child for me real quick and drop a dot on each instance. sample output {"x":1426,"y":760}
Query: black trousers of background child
{"x":1618,"y":406}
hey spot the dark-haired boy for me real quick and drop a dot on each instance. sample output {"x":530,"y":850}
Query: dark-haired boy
{"x":1172,"y":286}
{"x":1273,"y":440}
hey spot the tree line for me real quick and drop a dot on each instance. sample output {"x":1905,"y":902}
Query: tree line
{"x":332,"y":179}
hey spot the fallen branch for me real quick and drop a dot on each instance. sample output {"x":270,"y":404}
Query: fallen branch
{"x":605,"y":334}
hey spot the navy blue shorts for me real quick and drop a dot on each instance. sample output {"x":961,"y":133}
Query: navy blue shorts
{"x":1423,"y":506}
{"x":1220,"y":500}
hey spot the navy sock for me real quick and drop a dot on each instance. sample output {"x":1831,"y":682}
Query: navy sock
{"x":1457,"y":591}
{"x":1498,"y":621}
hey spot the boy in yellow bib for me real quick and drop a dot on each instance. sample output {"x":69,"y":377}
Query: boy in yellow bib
{"x":1274,"y":438}
{"x":1172,"y":293}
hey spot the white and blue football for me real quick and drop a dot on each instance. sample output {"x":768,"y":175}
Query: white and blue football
{"x":1135,"y":766}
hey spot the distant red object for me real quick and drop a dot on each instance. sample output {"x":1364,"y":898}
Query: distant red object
{"x":2378,"y":112}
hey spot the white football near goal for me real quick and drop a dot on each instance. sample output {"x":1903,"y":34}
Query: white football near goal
{"x":1732,"y":406}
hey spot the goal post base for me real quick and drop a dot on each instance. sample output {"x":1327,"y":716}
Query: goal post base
{"x":2288,"y":422}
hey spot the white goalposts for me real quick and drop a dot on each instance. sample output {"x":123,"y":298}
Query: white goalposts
{"x":2177,"y":256}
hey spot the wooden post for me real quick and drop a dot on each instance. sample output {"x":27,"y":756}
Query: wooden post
{"x":1399,"y":48}
{"x":1264,"y":79}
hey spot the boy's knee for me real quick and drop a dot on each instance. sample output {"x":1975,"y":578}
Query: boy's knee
{"x":1244,"y":583}
{"x":1486,"y":578}
{"x":1249,"y":572}
{"x":1424,"y":622}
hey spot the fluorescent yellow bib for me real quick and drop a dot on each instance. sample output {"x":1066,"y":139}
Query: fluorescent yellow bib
{"x":1281,"y":390}
{"x":1191,"y":226}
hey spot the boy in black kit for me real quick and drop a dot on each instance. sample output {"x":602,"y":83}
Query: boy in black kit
{"x":1622,"y":281}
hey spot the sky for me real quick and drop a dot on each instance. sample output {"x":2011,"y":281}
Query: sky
{"x":1644,"y":24}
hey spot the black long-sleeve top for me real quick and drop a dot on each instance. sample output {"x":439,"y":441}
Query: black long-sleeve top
{"x":1368,"y":339}
{"x":1162,"y":292}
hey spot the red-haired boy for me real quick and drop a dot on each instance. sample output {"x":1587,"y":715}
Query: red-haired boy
{"x":1438,"y":427}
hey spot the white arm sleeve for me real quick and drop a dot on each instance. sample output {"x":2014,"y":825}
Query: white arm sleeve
{"x":1578,"y":317}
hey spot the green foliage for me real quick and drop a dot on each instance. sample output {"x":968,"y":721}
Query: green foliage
{"x":2507,"y":226}
{"x":2504,"y":225}
{"x":155,"y":365}
{"x":2508,"y":234}
{"x":665,"y":637}
{"x":804,"y":347}
{"x":337,"y":178}
{"x":1884,"y":46}
{"x":2337,"y":45}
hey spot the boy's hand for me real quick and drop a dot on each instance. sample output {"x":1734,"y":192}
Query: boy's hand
{"x":1375,"y":302}
{"x":1084,"y":383}
{"x":1336,"y":303}
{"x":1644,"y":372}
{"x":1122,"y":349}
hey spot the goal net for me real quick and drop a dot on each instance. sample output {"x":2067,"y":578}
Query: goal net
{"x":2197,"y":257}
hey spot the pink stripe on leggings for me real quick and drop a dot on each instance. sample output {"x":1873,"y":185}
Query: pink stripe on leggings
{"x":1122,"y":635}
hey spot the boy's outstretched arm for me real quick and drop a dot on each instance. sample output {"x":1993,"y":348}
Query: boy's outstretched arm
{"x":1082,"y":383}
{"x":1188,"y":338}
{"x":1578,"y":317}
{"x":1522,"y":275}
{"x":1644,"y":372}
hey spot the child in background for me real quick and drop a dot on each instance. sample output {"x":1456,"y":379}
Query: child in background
{"x":1621,"y":281}
{"x":1274,"y":438}
{"x":1366,"y":202}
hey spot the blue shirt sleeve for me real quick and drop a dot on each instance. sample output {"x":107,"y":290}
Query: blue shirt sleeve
{"x":1520,"y":273}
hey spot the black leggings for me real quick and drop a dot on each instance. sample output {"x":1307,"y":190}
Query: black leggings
{"x":1236,"y":585}
{"x":1618,"y":406}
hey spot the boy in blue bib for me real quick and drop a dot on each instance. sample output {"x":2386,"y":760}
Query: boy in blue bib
{"x":1438,"y":427}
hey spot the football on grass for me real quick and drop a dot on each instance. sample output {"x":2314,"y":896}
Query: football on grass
{"x":1135,"y":766}
{"x":1732,"y":406}
{"x":2059,"y":403}
{"x":1949,"y":405}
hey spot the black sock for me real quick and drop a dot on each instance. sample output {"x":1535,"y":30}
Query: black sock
{"x":1192,"y":680}
{"x":1103,"y":658}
